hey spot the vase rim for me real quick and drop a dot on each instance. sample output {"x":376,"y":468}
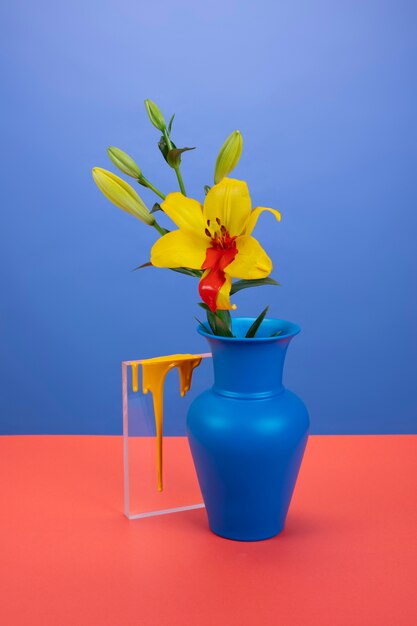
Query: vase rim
{"x":290,"y":329}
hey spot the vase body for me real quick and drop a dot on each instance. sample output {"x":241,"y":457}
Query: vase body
{"x":248,"y":433}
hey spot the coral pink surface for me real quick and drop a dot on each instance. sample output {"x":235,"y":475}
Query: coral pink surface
{"x":68,"y":556}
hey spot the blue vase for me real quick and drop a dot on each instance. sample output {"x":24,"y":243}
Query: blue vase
{"x":248,"y":433}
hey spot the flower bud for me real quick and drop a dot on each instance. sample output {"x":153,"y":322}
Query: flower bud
{"x":124,"y":162}
{"x":229,"y":156}
{"x":155,"y":115}
{"x":121,"y":194}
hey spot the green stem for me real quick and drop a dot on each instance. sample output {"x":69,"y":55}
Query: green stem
{"x":180,"y":181}
{"x":177,"y":169}
{"x":159,"y":228}
{"x":147,"y":183}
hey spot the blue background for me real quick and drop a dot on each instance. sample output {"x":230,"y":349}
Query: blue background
{"x":325,"y":95}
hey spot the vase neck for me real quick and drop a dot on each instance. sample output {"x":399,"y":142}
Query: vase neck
{"x":248,"y":369}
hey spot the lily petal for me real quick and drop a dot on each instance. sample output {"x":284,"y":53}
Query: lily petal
{"x":185,"y":212}
{"x":223,"y":297}
{"x":251,"y":260}
{"x":179,"y":249}
{"x":253,"y":218}
{"x":214,"y":278}
{"x":228,"y":202}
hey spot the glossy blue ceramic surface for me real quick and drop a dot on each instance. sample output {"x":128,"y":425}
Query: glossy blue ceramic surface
{"x":248,"y":433}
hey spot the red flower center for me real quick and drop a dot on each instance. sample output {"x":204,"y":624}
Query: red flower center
{"x":219,"y":255}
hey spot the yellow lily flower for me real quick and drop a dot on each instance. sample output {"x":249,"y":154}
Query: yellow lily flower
{"x":216,"y":238}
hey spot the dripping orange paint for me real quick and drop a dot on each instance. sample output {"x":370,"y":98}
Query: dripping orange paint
{"x":154,"y":372}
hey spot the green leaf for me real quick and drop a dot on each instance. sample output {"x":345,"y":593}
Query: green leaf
{"x":222,"y":328}
{"x":212,"y":321}
{"x":206,"y":189}
{"x":245,"y":284}
{"x":188,"y":271}
{"x":218,"y":325}
{"x":162,"y":145}
{"x":173,"y":157}
{"x":226,"y":318}
{"x":279,"y":332}
{"x":254,"y":328}
{"x":220,"y":321}
{"x":156,"y":207}
{"x":139,"y":267}
{"x":170,"y":124}
{"x":203,"y":325}
{"x":182,"y":270}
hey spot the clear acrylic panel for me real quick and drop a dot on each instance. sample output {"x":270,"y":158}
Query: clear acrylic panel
{"x":181,"y":491}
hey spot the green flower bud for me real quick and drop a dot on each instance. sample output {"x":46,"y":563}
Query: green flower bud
{"x":155,"y":115}
{"x":122,"y":194}
{"x":124,"y":162}
{"x":229,"y":156}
